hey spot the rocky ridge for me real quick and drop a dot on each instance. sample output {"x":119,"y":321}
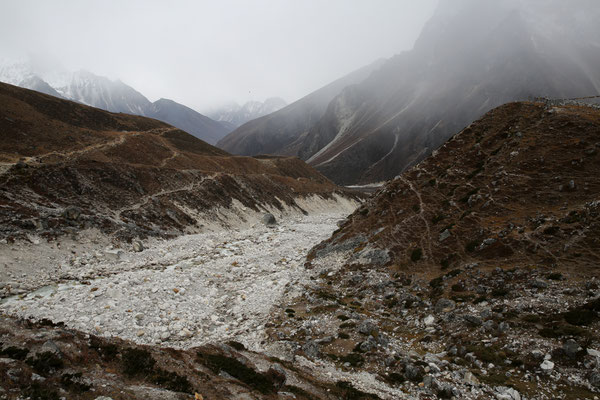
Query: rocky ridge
{"x":68,"y":167}
{"x":472,"y":275}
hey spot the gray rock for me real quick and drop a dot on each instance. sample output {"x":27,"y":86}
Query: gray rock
{"x":444,"y":305}
{"x":113,"y":254}
{"x":311,"y":349}
{"x":490,"y":326}
{"x":373,"y":256}
{"x":137,"y":246}
{"x":547,"y":365}
{"x":539,"y":284}
{"x":103,"y":398}
{"x":537,"y":354}
{"x":368,"y":344}
{"x":37,"y":378}
{"x":72,"y":213}
{"x":571,"y":348}
{"x":444,"y":235}
{"x":506,"y":393}
{"x":594,"y":378}
{"x":473,"y":320}
{"x":368,"y":327}
{"x":593,"y":353}
{"x":470,"y":379}
{"x":413,"y":372}
{"x":428,"y":320}
{"x":50,"y":347}
{"x":269,"y":219}
{"x":489,"y":241}
{"x":503,"y":327}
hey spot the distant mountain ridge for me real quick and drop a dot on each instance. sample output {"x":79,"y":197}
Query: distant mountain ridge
{"x":233,"y":115}
{"x":279,"y":132}
{"x":115,"y":96}
{"x":471,"y":56}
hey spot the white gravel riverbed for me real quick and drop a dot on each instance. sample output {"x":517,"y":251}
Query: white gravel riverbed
{"x":189,"y":291}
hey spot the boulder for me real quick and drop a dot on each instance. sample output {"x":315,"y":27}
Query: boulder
{"x":72,"y":213}
{"x":137,"y":246}
{"x":444,"y":305}
{"x":269,"y":219}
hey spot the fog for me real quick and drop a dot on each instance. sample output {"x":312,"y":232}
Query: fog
{"x":205,"y":53}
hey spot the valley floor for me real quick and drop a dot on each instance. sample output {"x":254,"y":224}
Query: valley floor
{"x":185,"y":292}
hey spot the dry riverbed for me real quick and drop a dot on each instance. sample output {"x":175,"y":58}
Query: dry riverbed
{"x":185,"y":292}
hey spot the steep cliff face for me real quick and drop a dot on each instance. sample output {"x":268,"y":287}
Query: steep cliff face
{"x":471,"y":57}
{"x":283,"y":132}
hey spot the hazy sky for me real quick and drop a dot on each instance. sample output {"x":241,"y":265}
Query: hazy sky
{"x":203,"y":53}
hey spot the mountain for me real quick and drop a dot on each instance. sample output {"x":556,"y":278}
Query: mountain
{"x":115,"y":96}
{"x":65,"y":166}
{"x":481,"y":259}
{"x":186,"y":119}
{"x":233,"y":115}
{"x":470,"y":57}
{"x":274,"y":133}
{"x":21,"y":74}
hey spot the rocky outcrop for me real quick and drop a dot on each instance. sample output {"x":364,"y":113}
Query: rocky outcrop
{"x":509,"y":297}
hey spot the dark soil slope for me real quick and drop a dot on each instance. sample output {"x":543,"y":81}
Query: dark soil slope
{"x":64,"y":166}
{"x":475,"y":273}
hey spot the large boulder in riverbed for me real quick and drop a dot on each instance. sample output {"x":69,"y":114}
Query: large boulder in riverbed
{"x":269,"y":219}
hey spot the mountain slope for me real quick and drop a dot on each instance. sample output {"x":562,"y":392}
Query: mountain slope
{"x":276,"y":133}
{"x":101,"y":92}
{"x":474,"y":271}
{"x":234,"y":115}
{"x":128,"y":175}
{"x":470,"y":57}
{"x":115,"y":96}
{"x":186,"y":119}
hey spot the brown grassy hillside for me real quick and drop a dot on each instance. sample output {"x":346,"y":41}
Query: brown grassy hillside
{"x":124,"y":173}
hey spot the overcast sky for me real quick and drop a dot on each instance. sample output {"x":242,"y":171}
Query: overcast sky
{"x":202,"y":53}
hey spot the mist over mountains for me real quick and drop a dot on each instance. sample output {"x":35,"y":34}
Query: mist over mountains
{"x":115,"y":96}
{"x":233,"y":115}
{"x":470,"y":57}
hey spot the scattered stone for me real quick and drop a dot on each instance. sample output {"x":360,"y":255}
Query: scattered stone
{"x":269,"y":219}
{"x":593,"y":353}
{"x":444,"y":235}
{"x":444,"y":305}
{"x":428,"y":320}
{"x":413,"y":372}
{"x":594,"y":378}
{"x":473,"y":320}
{"x":368,"y":327}
{"x":571,"y":348}
{"x":311,"y":349}
{"x":470,"y":379}
{"x":137,"y":246}
{"x":539,"y":284}
{"x":72,"y":213}
{"x":113,"y":254}
{"x":51,"y":347}
{"x":547,"y":365}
